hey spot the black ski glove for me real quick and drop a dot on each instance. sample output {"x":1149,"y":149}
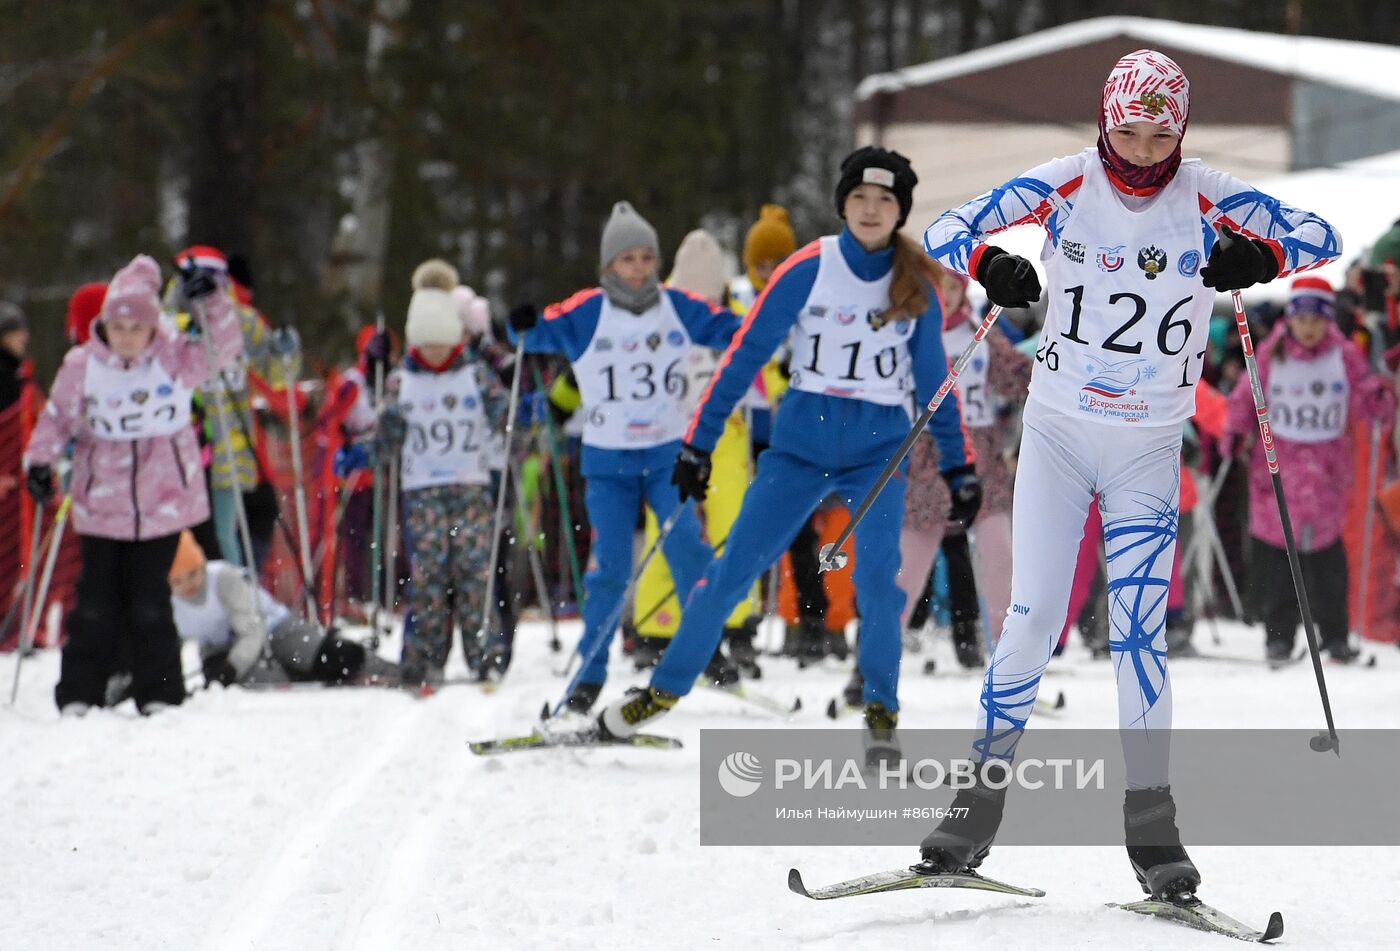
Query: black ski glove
{"x":1237,"y":262}
{"x":523,"y":317}
{"x":692,"y":473}
{"x":197,"y":282}
{"x":218,"y":670}
{"x":1009,"y":279}
{"x":39,"y":481}
{"x":967,"y":494}
{"x":390,"y":434}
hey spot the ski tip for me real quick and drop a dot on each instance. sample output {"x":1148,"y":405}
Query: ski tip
{"x":830,"y":712}
{"x":796,"y":704}
{"x":1370,"y":661}
{"x":1060,"y":700}
{"x":795,"y":884}
{"x":1274,"y":928}
{"x":544,"y":712}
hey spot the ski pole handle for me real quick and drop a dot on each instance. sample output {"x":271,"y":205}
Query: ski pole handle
{"x":832,"y":558}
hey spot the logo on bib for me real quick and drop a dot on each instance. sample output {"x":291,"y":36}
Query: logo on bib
{"x":448,"y":402}
{"x":675,"y":338}
{"x":429,"y":406}
{"x":1318,"y":388}
{"x":603,"y":345}
{"x":1073,"y":251}
{"x":653,"y":341}
{"x":845,"y":317}
{"x":977,"y":364}
{"x":164,"y":390}
{"x":817,"y":310}
{"x":1113,"y":381}
{"x":139,"y":397}
{"x":1110,"y":259}
{"x":1152,"y":260}
{"x":114,"y":401}
{"x":1189,"y":263}
{"x":469,"y":402}
{"x":629,"y":344}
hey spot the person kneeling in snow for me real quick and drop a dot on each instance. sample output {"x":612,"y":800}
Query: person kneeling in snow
{"x":218,"y":607}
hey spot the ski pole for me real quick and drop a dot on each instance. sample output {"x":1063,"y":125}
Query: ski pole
{"x":30,"y":567}
{"x":532,"y":533}
{"x":245,"y":428}
{"x":245,"y":536}
{"x":376,"y":503}
{"x":1322,"y":742}
{"x":1372,"y":462}
{"x":605,"y":634}
{"x":298,"y":487}
{"x":561,"y":490}
{"x":488,"y":605}
{"x":32,"y":621}
{"x":832,"y":558}
{"x":391,"y":537}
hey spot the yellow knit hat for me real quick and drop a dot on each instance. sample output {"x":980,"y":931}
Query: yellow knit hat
{"x":770,"y":239}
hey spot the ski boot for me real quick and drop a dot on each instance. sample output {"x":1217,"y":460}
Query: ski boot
{"x":639,"y":707}
{"x":720,"y":672}
{"x":338,"y":660}
{"x":1278,"y":654}
{"x":836,"y":645}
{"x":967,"y":643}
{"x":811,"y":646}
{"x":741,"y":649}
{"x":1179,"y":636}
{"x":1154,"y":845}
{"x":881,"y":746}
{"x":582,"y":698}
{"x":963,"y":839}
{"x":646,"y":653}
{"x":1342,"y":653}
{"x":854,"y":691}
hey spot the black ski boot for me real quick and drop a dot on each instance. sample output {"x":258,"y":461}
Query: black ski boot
{"x":338,"y":660}
{"x":811,"y":647}
{"x":582,"y":698}
{"x":836,"y":645}
{"x":963,"y":839}
{"x":967,"y":643}
{"x":1278,"y":653}
{"x":720,"y":672}
{"x":1154,"y":845}
{"x":854,"y":691}
{"x":1342,"y":653}
{"x":741,"y":649}
{"x":647,"y":651}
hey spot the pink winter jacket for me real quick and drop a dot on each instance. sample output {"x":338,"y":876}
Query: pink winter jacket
{"x":1317,"y":477}
{"x":146,"y":487}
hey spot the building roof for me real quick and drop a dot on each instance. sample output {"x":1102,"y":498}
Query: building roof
{"x":1371,"y":68}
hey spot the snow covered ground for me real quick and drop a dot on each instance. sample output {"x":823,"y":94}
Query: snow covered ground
{"x":357,"y":819}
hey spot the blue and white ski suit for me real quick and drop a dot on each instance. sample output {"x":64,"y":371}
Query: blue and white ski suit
{"x":848,"y":408}
{"x":630,"y":372}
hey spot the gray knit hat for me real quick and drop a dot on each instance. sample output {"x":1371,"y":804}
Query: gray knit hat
{"x":625,"y":230}
{"x":11,"y":318}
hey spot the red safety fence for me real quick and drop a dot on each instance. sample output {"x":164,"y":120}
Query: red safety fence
{"x":17,"y":514}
